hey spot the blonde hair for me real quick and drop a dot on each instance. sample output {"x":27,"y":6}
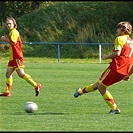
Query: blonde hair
{"x":14,"y":21}
{"x":125,"y":26}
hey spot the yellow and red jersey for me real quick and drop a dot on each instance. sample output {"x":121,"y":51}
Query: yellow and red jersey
{"x":16,"y":49}
{"x":122,"y":63}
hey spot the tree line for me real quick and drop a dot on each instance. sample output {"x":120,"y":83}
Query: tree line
{"x":17,"y":8}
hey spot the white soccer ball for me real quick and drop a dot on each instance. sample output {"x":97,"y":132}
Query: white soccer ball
{"x":30,"y":107}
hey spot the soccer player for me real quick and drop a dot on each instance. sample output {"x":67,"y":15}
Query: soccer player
{"x":16,"y":58}
{"x":122,"y":59}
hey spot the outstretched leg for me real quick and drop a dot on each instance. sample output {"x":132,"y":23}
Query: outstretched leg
{"x":89,"y":88}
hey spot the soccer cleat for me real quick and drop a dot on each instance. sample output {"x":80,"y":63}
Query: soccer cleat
{"x":37,"y":89}
{"x":6,"y":94}
{"x":115,"y":111}
{"x":76,"y":94}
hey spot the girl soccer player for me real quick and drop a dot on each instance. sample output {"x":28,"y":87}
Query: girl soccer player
{"x":122,"y":59}
{"x":16,"y":59}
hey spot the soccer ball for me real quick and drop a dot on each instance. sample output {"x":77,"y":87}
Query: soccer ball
{"x":30,"y":107}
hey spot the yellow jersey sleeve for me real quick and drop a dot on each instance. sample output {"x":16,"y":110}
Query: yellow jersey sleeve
{"x":120,"y":41}
{"x":14,"y":34}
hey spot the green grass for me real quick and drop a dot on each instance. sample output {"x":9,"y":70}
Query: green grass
{"x":58,"y":109}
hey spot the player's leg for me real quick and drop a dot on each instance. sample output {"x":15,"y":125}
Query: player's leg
{"x":28,"y":78}
{"x":9,"y":82}
{"x":107,"y":79}
{"x":89,"y":88}
{"x":108,"y":98}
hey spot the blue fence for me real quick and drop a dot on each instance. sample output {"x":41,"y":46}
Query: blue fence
{"x":64,"y":43}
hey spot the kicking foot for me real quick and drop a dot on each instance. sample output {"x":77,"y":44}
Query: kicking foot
{"x":76,"y":94}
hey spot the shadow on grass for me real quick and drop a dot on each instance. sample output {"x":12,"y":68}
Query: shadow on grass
{"x":35,"y":113}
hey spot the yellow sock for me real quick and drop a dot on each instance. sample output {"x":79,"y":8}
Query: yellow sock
{"x":109,"y":100}
{"x":9,"y":82}
{"x":87,"y":89}
{"x":28,"y":78}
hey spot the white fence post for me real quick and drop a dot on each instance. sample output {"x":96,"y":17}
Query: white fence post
{"x":100,"y":53}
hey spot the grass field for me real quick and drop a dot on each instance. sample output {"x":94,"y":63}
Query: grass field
{"x":58,"y":109}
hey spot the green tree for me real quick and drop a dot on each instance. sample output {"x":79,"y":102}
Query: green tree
{"x":16,"y":8}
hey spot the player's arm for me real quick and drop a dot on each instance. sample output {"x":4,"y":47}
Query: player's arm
{"x":5,"y":39}
{"x":117,"y":50}
{"x":112,"y":55}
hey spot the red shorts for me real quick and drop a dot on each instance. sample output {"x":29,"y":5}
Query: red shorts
{"x":110,"y":77}
{"x":16,"y":63}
